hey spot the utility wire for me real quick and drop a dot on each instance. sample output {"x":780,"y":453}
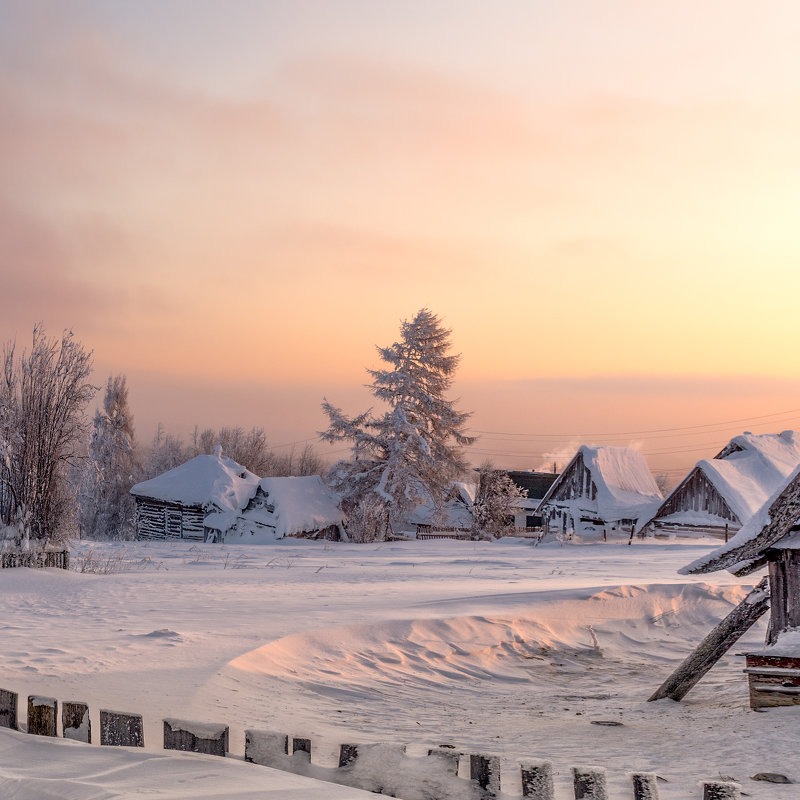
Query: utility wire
{"x":641,"y":432}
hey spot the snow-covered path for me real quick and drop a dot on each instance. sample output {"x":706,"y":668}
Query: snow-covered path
{"x":492,"y":647}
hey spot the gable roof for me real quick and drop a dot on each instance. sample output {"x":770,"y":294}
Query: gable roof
{"x":625,"y":486}
{"x":202,"y":481}
{"x":747,"y":471}
{"x":300,"y":504}
{"x":743,"y":554}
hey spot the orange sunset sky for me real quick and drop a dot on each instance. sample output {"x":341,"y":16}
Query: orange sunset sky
{"x":233,"y":202}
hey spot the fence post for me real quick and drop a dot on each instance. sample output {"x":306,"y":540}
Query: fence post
{"x":589,"y":783}
{"x":196,"y":737}
{"x":121,"y":730}
{"x":485,"y":771}
{"x":8,"y":710}
{"x":721,"y":790}
{"x":537,"y":780}
{"x":645,"y":786}
{"x":348,"y":753}
{"x":266,"y":748}
{"x":301,"y":746}
{"x":75,"y":722}
{"x":42,"y":715}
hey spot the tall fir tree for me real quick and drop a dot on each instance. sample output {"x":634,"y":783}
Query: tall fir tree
{"x":415,"y":450}
{"x":107,"y":509}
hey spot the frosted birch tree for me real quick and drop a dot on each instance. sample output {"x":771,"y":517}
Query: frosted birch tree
{"x":413,"y":451}
{"x":43,"y":396}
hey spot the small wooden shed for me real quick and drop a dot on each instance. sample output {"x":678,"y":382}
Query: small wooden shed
{"x":302,"y":507}
{"x":602,"y":489}
{"x":721,"y":494}
{"x":197,"y":500}
{"x":771,"y":538}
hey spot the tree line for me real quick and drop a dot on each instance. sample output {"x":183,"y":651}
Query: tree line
{"x":62,"y":475}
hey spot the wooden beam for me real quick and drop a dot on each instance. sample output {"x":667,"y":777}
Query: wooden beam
{"x":716,"y":644}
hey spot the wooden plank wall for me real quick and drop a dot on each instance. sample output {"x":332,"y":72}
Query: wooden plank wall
{"x":159,"y":520}
{"x":698,"y":494}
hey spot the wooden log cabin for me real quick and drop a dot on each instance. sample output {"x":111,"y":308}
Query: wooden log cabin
{"x":197,"y":500}
{"x":721,"y":494}
{"x":772,"y":539}
{"x":603,"y":489}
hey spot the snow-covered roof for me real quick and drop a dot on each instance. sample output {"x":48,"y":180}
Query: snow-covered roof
{"x":456,"y":511}
{"x":301,"y":504}
{"x":748,"y":471}
{"x":625,"y":486}
{"x":466,"y":491}
{"x":751,"y":468}
{"x":770,"y":523}
{"x":205,"y":481}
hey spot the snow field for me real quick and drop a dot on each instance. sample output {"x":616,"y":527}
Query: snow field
{"x":492,"y":647}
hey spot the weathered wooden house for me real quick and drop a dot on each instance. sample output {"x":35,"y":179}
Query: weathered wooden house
{"x":537,"y":485}
{"x":198,"y":500}
{"x":771,"y":538}
{"x":456,"y":514}
{"x":279,"y":507}
{"x":601,"y":490}
{"x":721,"y":494}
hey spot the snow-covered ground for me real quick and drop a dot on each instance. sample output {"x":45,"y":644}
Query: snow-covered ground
{"x":493,"y":647}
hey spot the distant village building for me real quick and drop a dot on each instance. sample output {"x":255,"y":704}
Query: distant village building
{"x":455,"y":515}
{"x":280,"y":507}
{"x":537,"y":485}
{"x":771,"y":537}
{"x":198,"y":500}
{"x":602,"y":489}
{"x":721,"y":494}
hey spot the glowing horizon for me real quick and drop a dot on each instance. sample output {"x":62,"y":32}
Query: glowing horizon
{"x":249,"y":200}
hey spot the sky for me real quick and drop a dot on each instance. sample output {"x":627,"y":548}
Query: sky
{"x":233,"y":203}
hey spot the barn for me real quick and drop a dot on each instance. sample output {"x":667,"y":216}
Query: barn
{"x":197,"y":500}
{"x":279,"y":507}
{"x":601,"y":490}
{"x":721,"y":494}
{"x":771,"y":537}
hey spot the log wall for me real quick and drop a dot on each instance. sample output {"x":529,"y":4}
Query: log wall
{"x":156,"y":519}
{"x":35,"y":559}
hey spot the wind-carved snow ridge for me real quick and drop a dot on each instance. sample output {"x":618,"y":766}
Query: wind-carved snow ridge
{"x":564,"y":635}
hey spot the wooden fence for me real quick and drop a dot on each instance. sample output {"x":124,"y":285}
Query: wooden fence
{"x":443,"y":774}
{"x":36,"y":559}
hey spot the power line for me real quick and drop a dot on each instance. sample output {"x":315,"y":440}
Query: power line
{"x":642,"y":432}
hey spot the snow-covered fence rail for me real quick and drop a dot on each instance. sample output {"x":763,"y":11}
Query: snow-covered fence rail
{"x":36,"y":559}
{"x":443,"y":774}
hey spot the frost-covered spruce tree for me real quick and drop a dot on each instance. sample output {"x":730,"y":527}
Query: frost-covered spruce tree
{"x":107,"y":508}
{"x":415,"y":450}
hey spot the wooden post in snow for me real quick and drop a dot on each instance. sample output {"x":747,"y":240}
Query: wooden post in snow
{"x":721,"y":790}
{"x":537,"y":780}
{"x":716,"y":644}
{"x":645,"y":786}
